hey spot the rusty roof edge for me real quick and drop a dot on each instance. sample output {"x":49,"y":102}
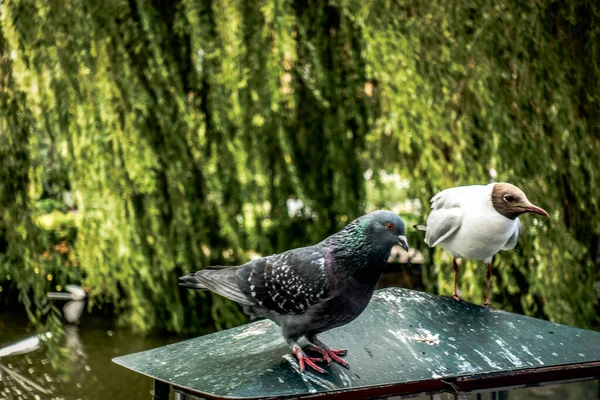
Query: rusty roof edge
{"x":528,"y":376}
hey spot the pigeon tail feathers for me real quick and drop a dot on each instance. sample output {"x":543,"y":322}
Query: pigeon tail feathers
{"x":219,"y":279}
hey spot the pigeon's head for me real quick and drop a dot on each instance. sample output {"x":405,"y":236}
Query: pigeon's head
{"x":511,"y":202}
{"x":387,"y":228}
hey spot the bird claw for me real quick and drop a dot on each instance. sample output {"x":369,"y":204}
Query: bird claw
{"x":311,"y":363}
{"x":335,"y":356}
{"x":303,"y":360}
{"x":332,"y":355}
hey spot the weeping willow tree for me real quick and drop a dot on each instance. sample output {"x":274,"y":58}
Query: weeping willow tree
{"x":470,"y":85}
{"x":183,"y":128}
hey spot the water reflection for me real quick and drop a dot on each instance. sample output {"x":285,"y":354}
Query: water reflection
{"x":76,"y":366}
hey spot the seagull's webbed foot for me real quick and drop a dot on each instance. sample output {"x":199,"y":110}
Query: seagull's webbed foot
{"x":303,"y":360}
{"x":455,"y":297}
{"x":328,"y":354}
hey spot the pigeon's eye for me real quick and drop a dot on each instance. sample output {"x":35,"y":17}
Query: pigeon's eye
{"x":390,"y":226}
{"x":508,"y":197}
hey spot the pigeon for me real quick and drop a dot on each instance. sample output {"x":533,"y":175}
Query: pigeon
{"x":476,"y":222}
{"x":309,"y":290}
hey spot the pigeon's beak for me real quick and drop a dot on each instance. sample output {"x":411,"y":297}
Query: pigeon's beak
{"x":402,"y":242}
{"x":535,"y":209}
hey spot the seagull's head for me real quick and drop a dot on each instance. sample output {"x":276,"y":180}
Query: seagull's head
{"x":511,"y":202}
{"x":388,"y":228}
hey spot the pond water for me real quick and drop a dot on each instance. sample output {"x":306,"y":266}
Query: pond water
{"x":86,"y":371}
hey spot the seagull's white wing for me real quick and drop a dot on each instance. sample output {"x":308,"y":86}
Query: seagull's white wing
{"x":512,"y":241}
{"x":72,"y":310}
{"x":441,"y":224}
{"x":77,"y":291}
{"x":445,"y":217}
{"x":59,"y":296}
{"x":24,"y":346}
{"x":21,"y":347}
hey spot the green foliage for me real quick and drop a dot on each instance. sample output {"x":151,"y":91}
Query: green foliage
{"x":469,"y":85}
{"x":182,"y":129}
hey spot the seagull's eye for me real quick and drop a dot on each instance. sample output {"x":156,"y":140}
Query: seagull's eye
{"x":390,"y":226}
{"x":508,"y":197}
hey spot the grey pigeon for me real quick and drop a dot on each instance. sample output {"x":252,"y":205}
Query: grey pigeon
{"x":476,"y":222}
{"x":312,"y":289}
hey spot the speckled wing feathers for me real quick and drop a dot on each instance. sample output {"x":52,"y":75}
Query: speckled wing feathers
{"x":286,"y":283}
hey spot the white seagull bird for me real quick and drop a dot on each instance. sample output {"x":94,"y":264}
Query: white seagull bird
{"x":74,"y":306}
{"x":476,"y":222}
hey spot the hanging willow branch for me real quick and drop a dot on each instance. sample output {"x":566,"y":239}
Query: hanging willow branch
{"x":182,"y":129}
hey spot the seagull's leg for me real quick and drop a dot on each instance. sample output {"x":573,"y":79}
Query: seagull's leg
{"x":455,"y":269}
{"x":303,"y":359}
{"x":488,"y":276}
{"x":328,"y":354}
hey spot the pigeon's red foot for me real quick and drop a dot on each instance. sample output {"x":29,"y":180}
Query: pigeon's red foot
{"x":328,"y":354}
{"x":303,"y":360}
{"x":332,"y":355}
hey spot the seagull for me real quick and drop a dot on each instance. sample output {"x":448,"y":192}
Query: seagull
{"x":476,"y":222}
{"x":312,"y":289}
{"x":23,"y":346}
{"x":76,"y":300}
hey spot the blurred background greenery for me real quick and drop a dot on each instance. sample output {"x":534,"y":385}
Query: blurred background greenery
{"x":141,"y":140}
